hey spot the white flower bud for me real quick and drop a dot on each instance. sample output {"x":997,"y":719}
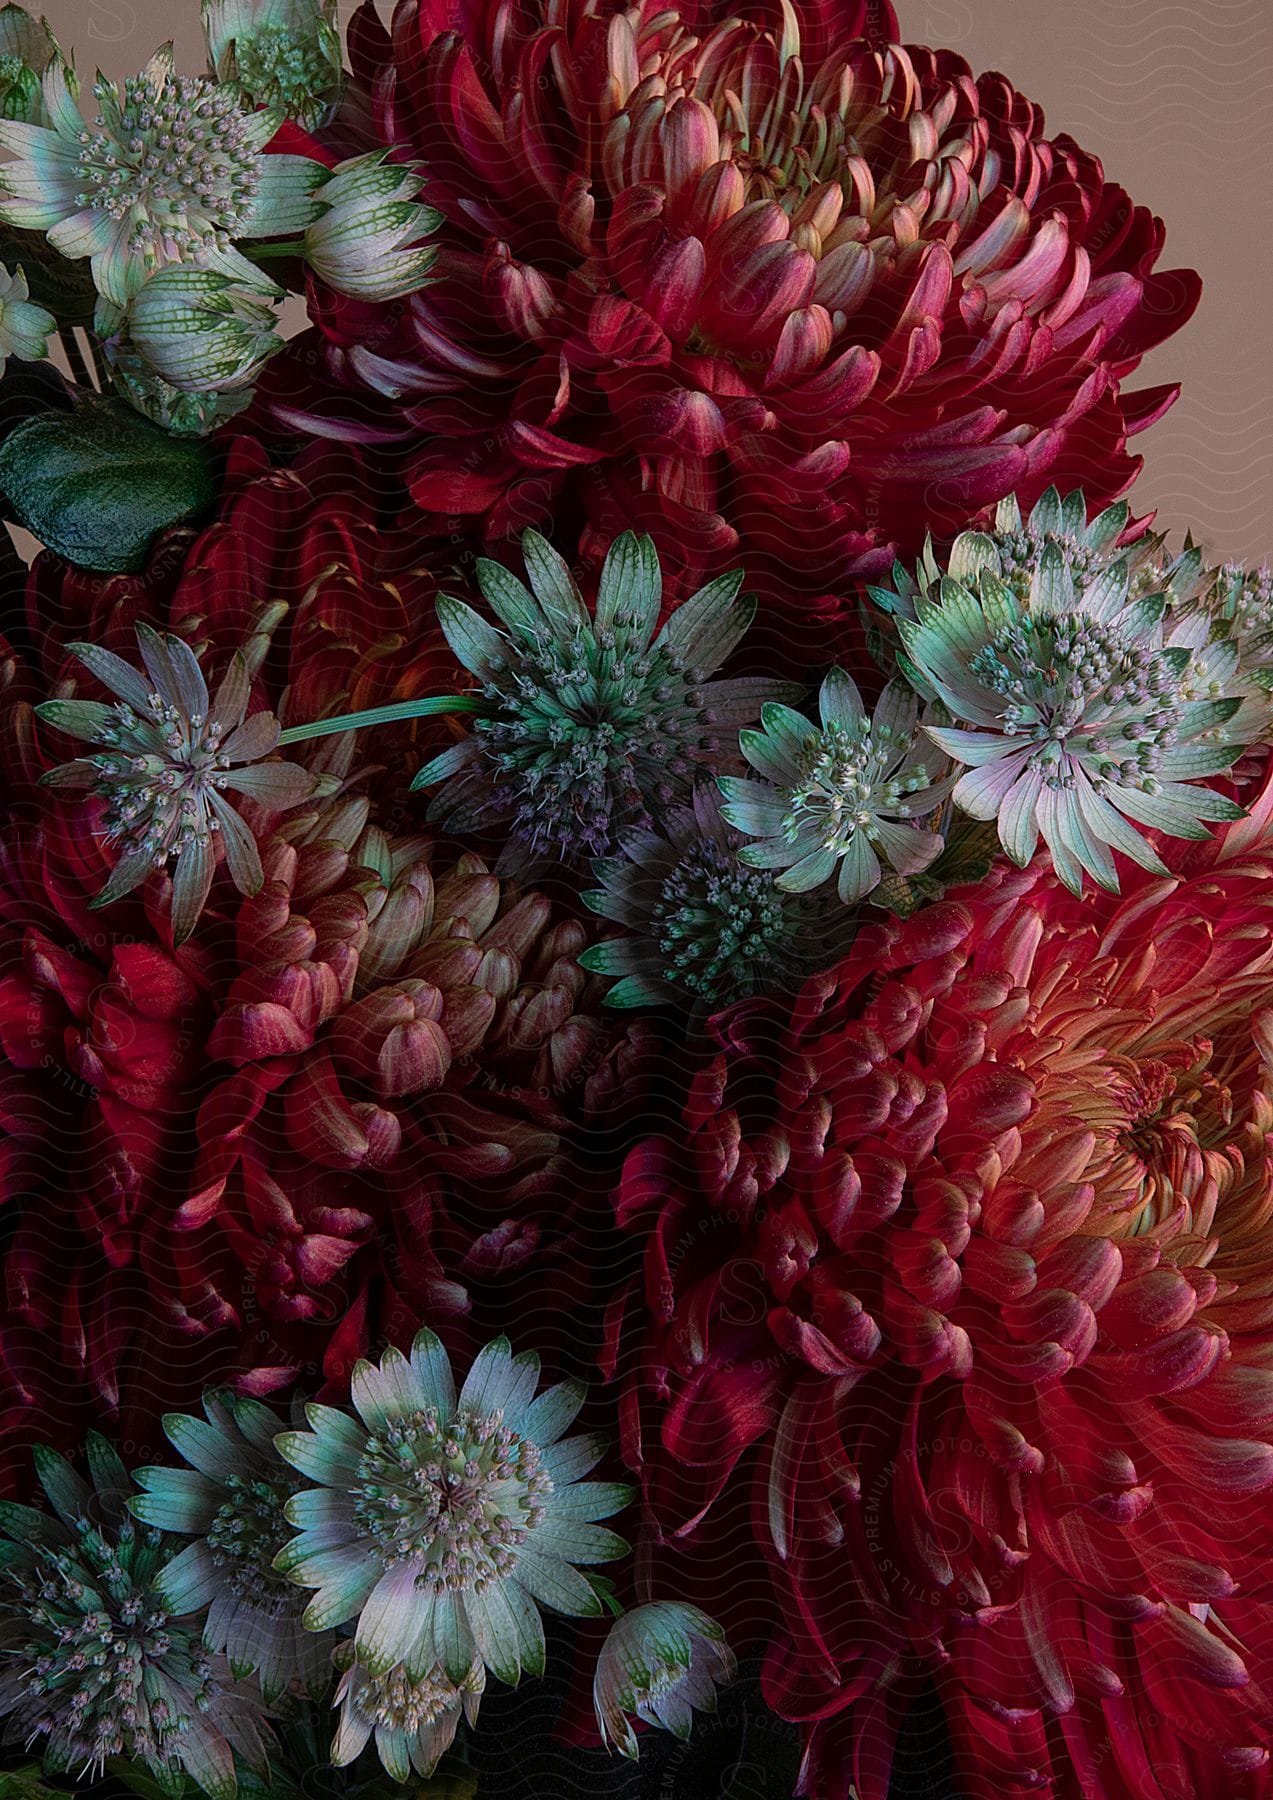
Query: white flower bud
{"x":200,"y":331}
{"x":658,"y":1664}
{"x":366,"y":244}
{"x":24,"y":327}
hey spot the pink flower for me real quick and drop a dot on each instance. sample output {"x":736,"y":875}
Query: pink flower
{"x":966,"y":1262}
{"x":780,"y":293}
{"x":346,"y":1102}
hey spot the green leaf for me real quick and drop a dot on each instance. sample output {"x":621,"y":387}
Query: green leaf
{"x":98,"y":485}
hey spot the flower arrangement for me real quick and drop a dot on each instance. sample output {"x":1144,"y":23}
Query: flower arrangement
{"x":626,"y":831}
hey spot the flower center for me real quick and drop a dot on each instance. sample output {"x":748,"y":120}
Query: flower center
{"x":157,"y":773}
{"x":846,"y":784}
{"x":713,"y":917}
{"x":280,"y":69}
{"x":1077,"y":687}
{"x":246,"y":1534}
{"x":585,"y":726}
{"x":180,"y":164}
{"x":458,"y":1495}
{"x":94,"y":1636}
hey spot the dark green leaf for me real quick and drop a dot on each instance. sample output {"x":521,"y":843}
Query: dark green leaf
{"x":99,"y":484}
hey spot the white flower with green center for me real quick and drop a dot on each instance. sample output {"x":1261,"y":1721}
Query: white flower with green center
{"x":165,"y":764}
{"x":25,"y":328}
{"x":201,"y":333}
{"x":1200,"y":604}
{"x":414,"y":1722}
{"x":441,"y":1523}
{"x":284,"y":54}
{"x":659,"y":1663}
{"x":590,"y":721}
{"x":27,"y":47}
{"x":231,"y":1500}
{"x":707,"y":927}
{"x":367,"y":242}
{"x":173,"y":170}
{"x":842,"y":798}
{"x":1072,"y":715}
{"x":95,"y":1663}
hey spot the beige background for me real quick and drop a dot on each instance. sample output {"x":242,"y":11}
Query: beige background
{"x":1175,"y":95}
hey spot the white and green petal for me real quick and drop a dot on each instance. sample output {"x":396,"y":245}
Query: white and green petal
{"x":659,"y":1663}
{"x":436,"y":1518}
{"x":367,"y":238}
{"x":840,"y":798}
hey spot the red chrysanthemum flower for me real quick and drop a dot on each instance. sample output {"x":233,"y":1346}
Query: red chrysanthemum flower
{"x":762,"y":284}
{"x":969,"y":1257}
{"x":345,"y":1102}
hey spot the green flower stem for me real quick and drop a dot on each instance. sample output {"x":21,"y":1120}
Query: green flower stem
{"x":383,"y":715}
{"x":258,"y":253}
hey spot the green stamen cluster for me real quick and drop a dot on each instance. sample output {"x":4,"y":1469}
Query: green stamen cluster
{"x":849,"y":778}
{"x":462,"y":1495}
{"x":278,"y":68}
{"x":714,"y":916}
{"x":1076,"y":676}
{"x":247,"y":1533}
{"x":577,"y":718}
{"x":97,"y":1630}
{"x":180,"y":161}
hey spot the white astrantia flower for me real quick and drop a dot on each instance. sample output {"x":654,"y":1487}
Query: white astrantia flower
{"x":592,"y":718}
{"x":165,"y":758}
{"x":1081,"y":707}
{"x":94,"y":1663}
{"x":27,"y":47}
{"x":230,"y":1500}
{"x":841,"y":798}
{"x":201,"y":332}
{"x":441,"y":1523}
{"x":25,"y":328}
{"x":414,"y":1721}
{"x":367,"y":241}
{"x":282,"y":53}
{"x":1213,"y":613}
{"x":173,"y":170}
{"x":659,"y":1663}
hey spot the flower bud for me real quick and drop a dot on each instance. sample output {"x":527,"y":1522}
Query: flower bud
{"x":657,"y":1664}
{"x":24,"y":327}
{"x":394,"y":1040}
{"x":366,"y":244}
{"x":201,"y":332}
